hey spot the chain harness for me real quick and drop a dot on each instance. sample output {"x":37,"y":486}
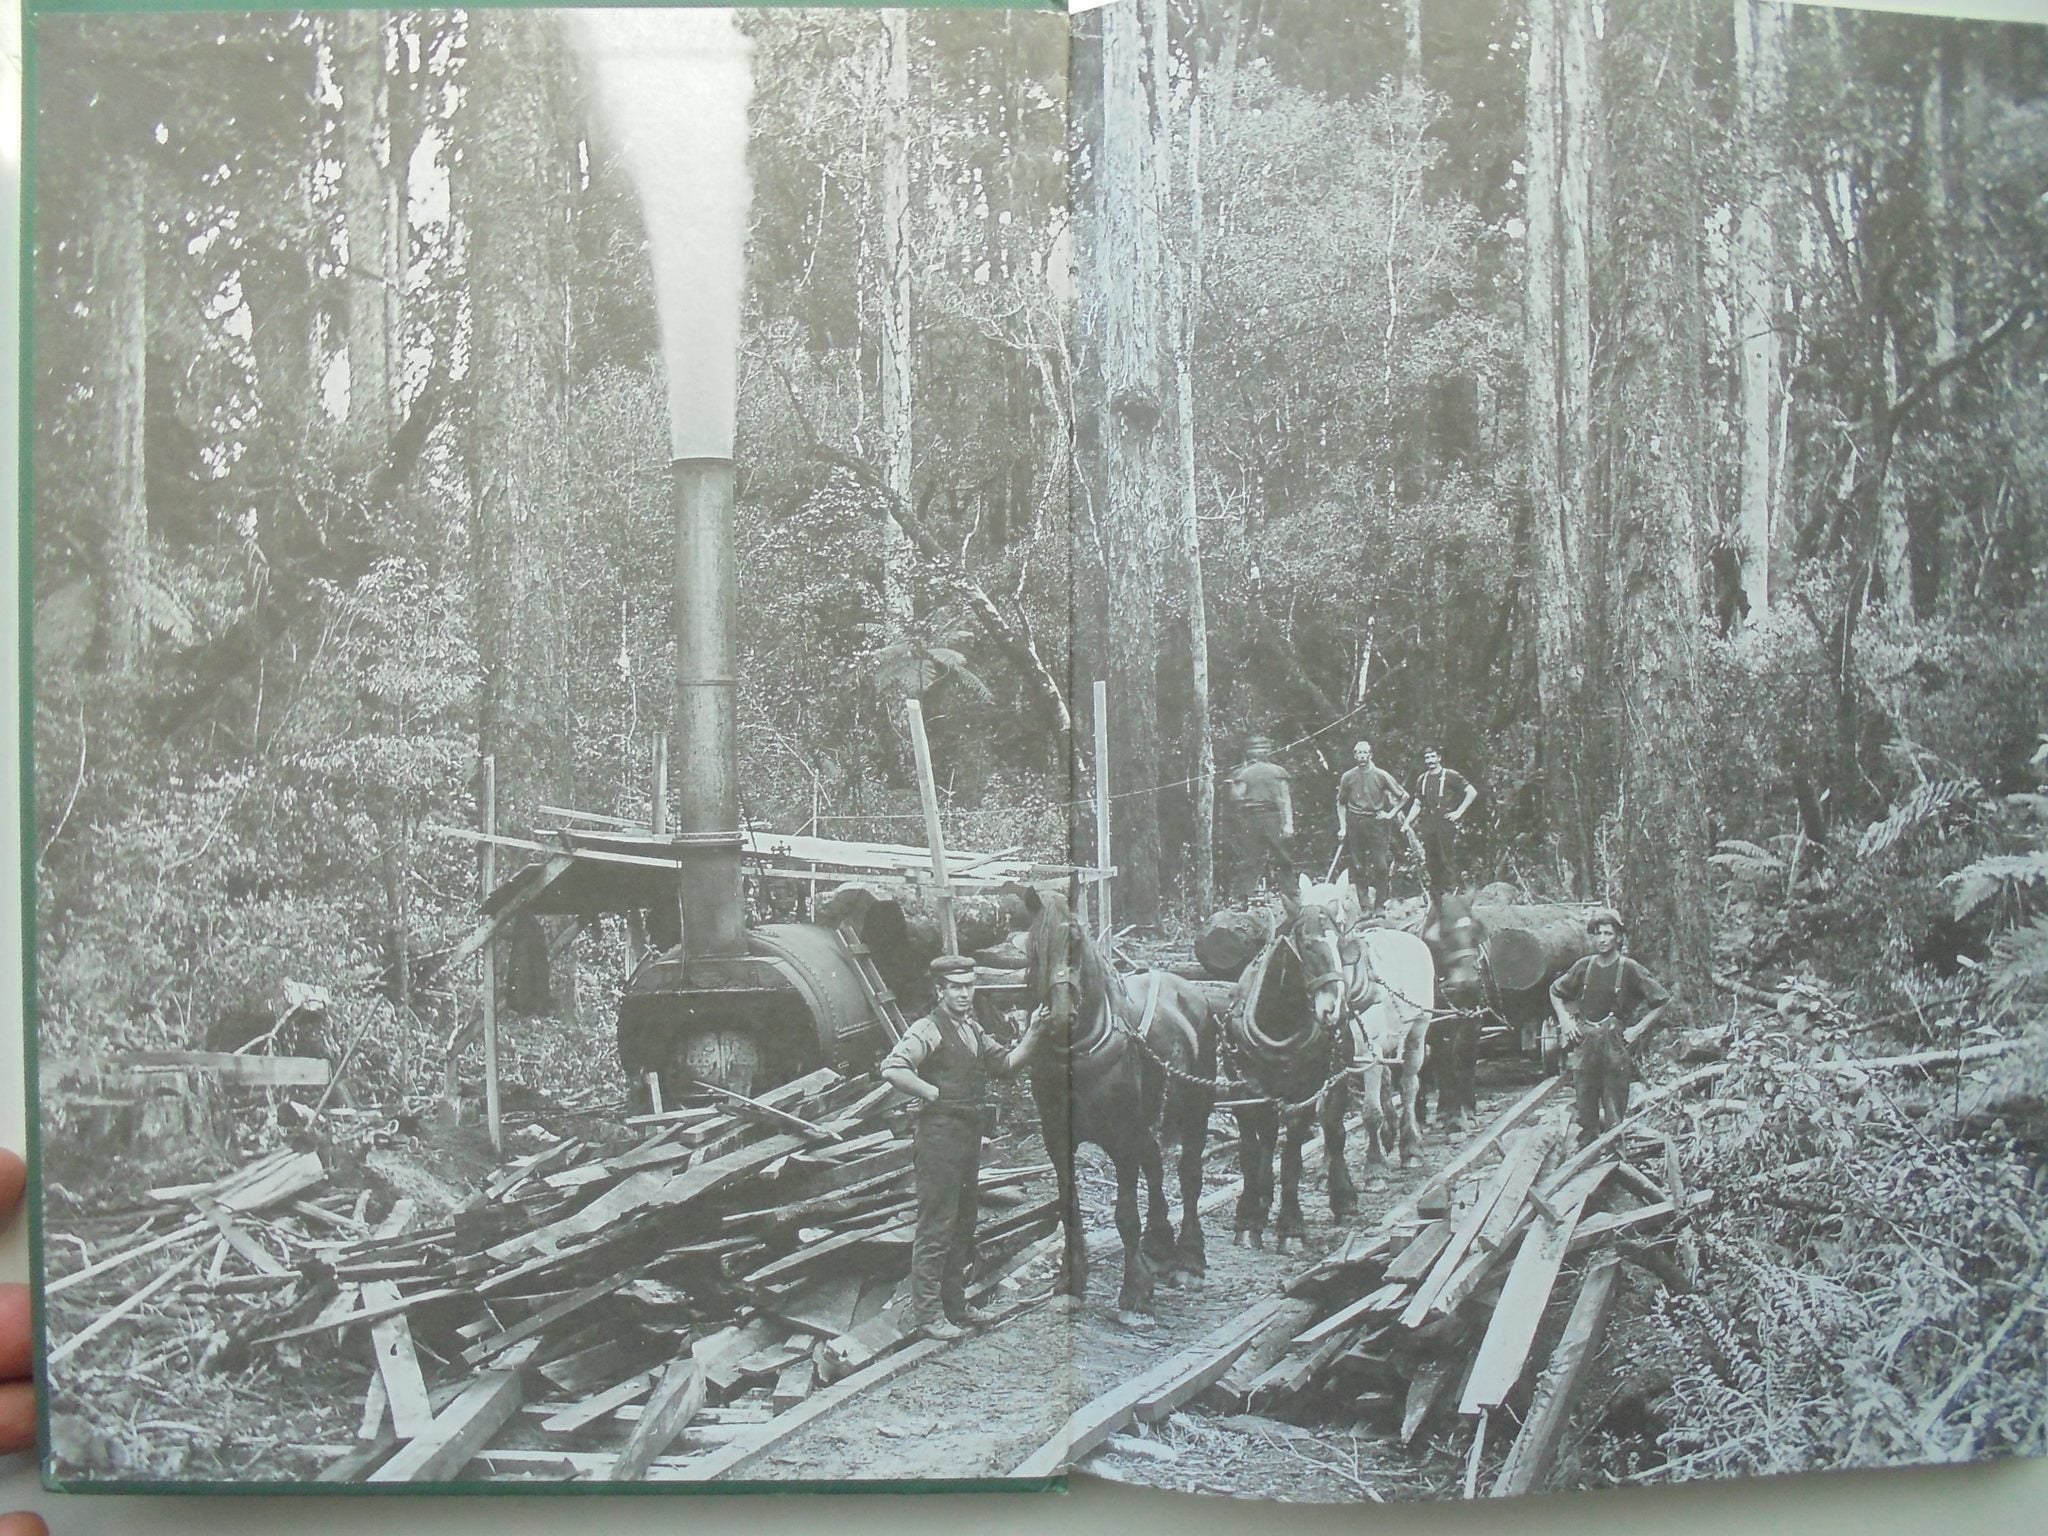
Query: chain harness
{"x":1113,"y":1023}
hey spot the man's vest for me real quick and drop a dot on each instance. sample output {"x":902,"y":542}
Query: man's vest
{"x":955,"y":1068}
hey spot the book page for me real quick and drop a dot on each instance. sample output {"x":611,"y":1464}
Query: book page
{"x":550,"y":556}
{"x":1532,"y":457}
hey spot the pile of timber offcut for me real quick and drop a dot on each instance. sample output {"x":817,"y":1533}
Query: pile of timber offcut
{"x":662,"y":1311}
{"x":1480,"y":1301}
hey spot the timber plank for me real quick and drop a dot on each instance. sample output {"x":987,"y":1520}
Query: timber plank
{"x":649,"y":1189}
{"x":1185,"y":1372}
{"x":676,"y":1399}
{"x":398,"y":1366}
{"x":740,"y":1452}
{"x":1530,"y":1457}
{"x":1504,"y":1352}
{"x":460,"y":1430}
{"x":598,"y":1404}
{"x":1516,"y":1173}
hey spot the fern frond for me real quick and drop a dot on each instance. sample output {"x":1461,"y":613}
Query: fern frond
{"x":1928,"y":803}
{"x":2018,"y":966}
{"x":2001,"y":874}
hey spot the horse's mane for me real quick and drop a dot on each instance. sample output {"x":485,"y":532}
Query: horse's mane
{"x":1046,"y":942}
{"x":1280,"y":1002}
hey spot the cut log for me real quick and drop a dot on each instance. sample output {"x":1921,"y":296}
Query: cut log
{"x":1530,"y":945}
{"x":1229,"y":942}
{"x":1529,"y":1459}
{"x":676,"y":1399}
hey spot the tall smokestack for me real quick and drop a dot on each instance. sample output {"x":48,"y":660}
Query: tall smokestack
{"x":707,"y":712}
{"x":674,"y":85}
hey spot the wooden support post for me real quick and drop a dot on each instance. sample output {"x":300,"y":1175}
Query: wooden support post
{"x":659,"y":819}
{"x":490,"y":880}
{"x":1102,"y":858}
{"x":928,"y":791}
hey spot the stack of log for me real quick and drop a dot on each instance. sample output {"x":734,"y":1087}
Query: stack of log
{"x":1481,"y":1298}
{"x":661,"y":1308}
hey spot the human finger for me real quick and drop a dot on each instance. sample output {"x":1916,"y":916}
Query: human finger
{"x":21,"y":1523}
{"x":17,"y":1354}
{"x":17,"y":1419}
{"x":13,"y":1180}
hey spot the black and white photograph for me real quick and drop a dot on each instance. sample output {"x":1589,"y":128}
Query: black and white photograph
{"x":1287,"y":751}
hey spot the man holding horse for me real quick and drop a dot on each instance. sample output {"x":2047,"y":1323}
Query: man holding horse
{"x":1369,"y":799}
{"x":1597,"y":1002}
{"x":944,"y":1061}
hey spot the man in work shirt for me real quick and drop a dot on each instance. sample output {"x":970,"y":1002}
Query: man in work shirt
{"x":1265,"y":807}
{"x":1596,"y":1002}
{"x":1368,"y":800}
{"x":1435,"y":817}
{"x":944,"y":1061}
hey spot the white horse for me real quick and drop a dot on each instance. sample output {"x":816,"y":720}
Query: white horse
{"x":1382,"y":982}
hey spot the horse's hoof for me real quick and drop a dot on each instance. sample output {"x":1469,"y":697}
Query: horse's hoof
{"x":1136,"y":1321}
{"x":1066,"y":1301}
{"x":1376,"y":1184}
{"x":1259,"y":1240}
{"x":1237,"y":1239}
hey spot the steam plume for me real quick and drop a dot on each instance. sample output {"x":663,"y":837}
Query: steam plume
{"x":673,"y":87}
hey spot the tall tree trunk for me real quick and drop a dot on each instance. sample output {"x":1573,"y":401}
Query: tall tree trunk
{"x":373,"y":213}
{"x":1411,"y":56}
{"x":1760,"y":70}
{"x":1925,"y":544}
{"x":508,"y":201}
{"x":1655,"y":411}
{"x":119,"y":312}
{"x":1134,"y":446}
{"x":1558,"y":595}
{"x":896,"y":313}
{"x":1184,"y":662}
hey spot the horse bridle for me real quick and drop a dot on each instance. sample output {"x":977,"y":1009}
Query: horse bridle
{"x":1336,"y":975}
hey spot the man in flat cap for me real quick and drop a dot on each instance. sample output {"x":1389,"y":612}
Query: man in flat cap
{"x":1265,"y":815}
{"x":1596,"y":1002}
{"x":944,"y":1061}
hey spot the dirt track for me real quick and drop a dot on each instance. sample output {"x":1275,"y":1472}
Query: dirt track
{"x":981,"y":1408}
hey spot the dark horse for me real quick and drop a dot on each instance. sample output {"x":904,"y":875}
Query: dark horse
{"x":1458,"y":941}
{"x":1128,"y":1063}
{"x":1300,"y":1060}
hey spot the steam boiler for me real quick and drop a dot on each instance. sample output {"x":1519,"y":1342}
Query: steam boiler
{"x":742,"y":1008}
